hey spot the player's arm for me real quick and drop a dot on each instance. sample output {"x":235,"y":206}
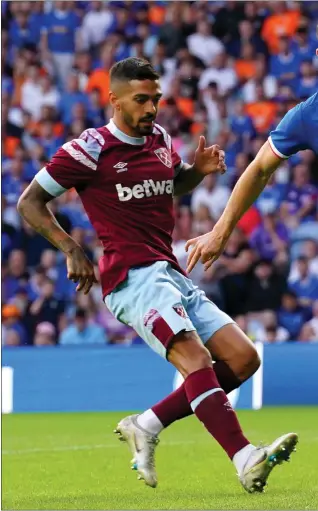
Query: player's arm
{"x":33,"y":207}
{"x":247,"y":189}
{"x":187,"y":180}
{"x":206,"y":161}
{"x":74,"y":165}
{"x":288,"y":138}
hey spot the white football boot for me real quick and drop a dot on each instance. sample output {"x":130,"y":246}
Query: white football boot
{"x":262,"y":460}
{"x":142,"y":445}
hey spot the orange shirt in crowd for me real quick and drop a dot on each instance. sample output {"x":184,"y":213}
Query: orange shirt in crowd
{"x":157,"y":14}
{"x":262,"y":114}
{"x":99,"y":79}
{"x":185,"y":105}
{"x":279,"y":25}
{"x":245,"y":69}
{"x":34,"y":127}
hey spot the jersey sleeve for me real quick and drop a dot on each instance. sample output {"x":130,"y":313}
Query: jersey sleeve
{"x":290,"y":135}
{"x":74,"y":165}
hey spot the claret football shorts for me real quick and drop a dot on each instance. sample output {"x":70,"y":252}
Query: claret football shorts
{"x":158,"y":302}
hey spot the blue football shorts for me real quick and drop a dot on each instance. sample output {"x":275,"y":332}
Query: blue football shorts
{"x":158,"y":302}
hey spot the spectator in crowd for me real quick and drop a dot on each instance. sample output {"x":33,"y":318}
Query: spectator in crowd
{"x":310,"y":251}
{"x":96,"y":23}
{"x":291,"y":314}
{"x":44,"y":334}
{"x":309,"y":331}
{"x":302,"y":44}
{"x":300,"y":204}
{"x":234,"y":268}
{"x":262,"y":111}
{"x":306,"y":286}
{"x":221,"y":73}
{"x":17,"y":274}
{"x":172,"y":34}
{"x":211,"y":195}
{"x":271,"y":332}
{"x":273,"y":195}
{"x":270,"y":239}
{"x":13,"y":183}
{"x":81,"y":332}
{"x":203,"y":44}
{"x":99,"y":78}
{"x":282,"y":21}
{"x":307,"y":84}
{"x":47,"y":307}
{"x":71,"y":97}
{"x":263,"y":78}
{"x":284,"y":66}
{"x":60,"y":38}
{"x":13,"y":331}
{"x":265,"y":289}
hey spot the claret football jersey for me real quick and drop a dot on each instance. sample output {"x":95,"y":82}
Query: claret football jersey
{"x":126,"y":187}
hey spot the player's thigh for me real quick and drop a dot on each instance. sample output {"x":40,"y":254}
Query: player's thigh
{"x":205,"y":315}
{"x":222,"y":336}
{"x":151,"y":302}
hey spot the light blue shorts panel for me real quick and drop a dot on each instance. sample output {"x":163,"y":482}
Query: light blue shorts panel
{"x":158,"y":302}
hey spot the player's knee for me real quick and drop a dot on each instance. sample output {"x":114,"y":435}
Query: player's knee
{"x":201,"y":360}
{"x":188,"y":354}
{"x":250,"y":362}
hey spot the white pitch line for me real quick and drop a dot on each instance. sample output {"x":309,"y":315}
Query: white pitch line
{"x":66,"y":448}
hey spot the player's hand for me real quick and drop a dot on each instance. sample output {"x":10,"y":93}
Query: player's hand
{"x":206,"y":248}
{"x":80,"y":269}
{"x":209,"y":159}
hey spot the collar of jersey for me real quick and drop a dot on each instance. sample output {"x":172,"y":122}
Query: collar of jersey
{"x":122,"y":136}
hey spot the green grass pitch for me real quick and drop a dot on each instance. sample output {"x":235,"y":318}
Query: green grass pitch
{"x":74,"y":461}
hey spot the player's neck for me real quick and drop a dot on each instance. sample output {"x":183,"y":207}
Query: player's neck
{"x":124,"y":133}
{"x":120,"y":124}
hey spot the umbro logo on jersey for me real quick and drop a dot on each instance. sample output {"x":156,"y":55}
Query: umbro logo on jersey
{"x":121,"y":166}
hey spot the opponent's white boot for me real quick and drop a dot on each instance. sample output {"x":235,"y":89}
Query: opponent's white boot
{"x":262,"y":460}
{"x":142,"y":445}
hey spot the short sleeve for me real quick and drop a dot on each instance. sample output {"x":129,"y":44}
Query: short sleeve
{"x":74,"y":165}
{"x":289,"y":136}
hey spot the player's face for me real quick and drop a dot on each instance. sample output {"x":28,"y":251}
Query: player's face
{"x":138,"y":105}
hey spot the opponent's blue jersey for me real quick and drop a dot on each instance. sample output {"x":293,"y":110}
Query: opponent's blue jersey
{"x":298,"y":130}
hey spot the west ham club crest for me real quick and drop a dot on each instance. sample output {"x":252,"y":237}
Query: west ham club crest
{"x":163,"y":154}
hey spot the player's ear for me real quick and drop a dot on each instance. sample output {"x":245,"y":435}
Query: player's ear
{"x":114,"y":100}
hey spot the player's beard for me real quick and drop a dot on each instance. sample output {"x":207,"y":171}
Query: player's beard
{"x":145,"y":129}
{"x":139,"y":129}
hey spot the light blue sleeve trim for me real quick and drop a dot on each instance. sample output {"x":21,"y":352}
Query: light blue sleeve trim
{"x":48,"y":183}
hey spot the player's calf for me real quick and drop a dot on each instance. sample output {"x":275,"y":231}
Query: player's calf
{"x":204,"y":393}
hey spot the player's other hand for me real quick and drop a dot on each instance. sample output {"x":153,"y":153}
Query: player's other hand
{"x":206,"y":248}
{"x":209,"y":159}
{"x":80,"y":269}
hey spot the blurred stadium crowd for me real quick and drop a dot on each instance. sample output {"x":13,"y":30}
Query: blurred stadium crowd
{"x":230,"y":70}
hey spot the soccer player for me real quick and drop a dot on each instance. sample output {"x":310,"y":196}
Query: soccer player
{"x":126,"y":174}
{"x":297,"y":131}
